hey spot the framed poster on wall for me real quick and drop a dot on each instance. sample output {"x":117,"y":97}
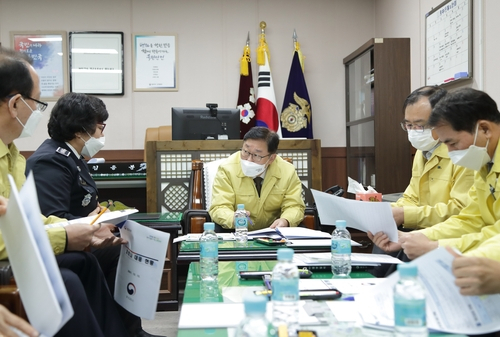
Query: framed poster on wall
{"x":48,"y":51}
{"x":448,"y":42}
{"x":155,"y":62}
{"x":96,"y":63}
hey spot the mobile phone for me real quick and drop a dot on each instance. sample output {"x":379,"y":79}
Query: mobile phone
{"x":254,"y":275}
{"x":320,"y":294}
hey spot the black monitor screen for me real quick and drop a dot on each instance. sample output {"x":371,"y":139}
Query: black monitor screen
{"x":200,"y":124}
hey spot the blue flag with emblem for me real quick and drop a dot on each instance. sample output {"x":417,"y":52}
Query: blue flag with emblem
{"x":296,"y":115}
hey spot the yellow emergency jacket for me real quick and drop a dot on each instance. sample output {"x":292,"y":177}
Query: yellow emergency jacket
{"x":281,"y":194}
{"x":477,"y":222}
{"x":438,"y":189}
{"x":13,"y":163}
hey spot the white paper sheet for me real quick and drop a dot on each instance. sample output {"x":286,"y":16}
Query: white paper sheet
{"x":357,"y":259}
{"x":289,"y":233}
{"x":447,"y":310}
{"x":196,"y":237}
{"x":365,"y":216}
{"x":315,"y":243}
{"x":140,"y":268}
{"x":33,"y":263}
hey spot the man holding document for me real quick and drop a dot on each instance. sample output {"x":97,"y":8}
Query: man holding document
{"x":95,"y":313}
{"x":468,"y":122}
{"x":257,"y":177}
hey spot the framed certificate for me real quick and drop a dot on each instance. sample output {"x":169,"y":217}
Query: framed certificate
{"x":48,"y":52}
{"x":96,"y":63}
{"x":155,"y":62}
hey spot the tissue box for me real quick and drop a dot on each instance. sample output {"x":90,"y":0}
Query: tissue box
{"x":369,"y":196}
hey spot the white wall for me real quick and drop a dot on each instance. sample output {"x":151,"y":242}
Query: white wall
{"x":212,"y":33}
{"x":211,"y":36}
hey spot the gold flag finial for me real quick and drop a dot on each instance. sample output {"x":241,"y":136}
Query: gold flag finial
{"x":262,"y":26}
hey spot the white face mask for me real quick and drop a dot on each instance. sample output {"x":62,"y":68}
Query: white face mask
{"x":422,"y":141}
{"x":92,"y":146}
{"x":473,"y":158}
{"x":32,"y":122}
{"x":251,"y":169}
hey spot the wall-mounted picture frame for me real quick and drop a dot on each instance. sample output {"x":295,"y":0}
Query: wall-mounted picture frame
{"x":96,"y":63}
{"x":48,"y":50}
{"x":155,"y":62}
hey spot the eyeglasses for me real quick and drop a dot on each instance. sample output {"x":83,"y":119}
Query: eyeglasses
{"x":415,"y":127}
{"x":101,"y":126}
{"x":39,"y":104}
{"x":256,"y":158}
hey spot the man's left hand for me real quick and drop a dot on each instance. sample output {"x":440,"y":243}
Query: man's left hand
{"x":417,"y":244}
{"x":280,"y":223}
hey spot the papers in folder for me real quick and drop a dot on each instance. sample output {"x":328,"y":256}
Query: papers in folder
{"x":357,"y":259}
{"x":33,"y":263}
{"x":365,"y":216}
{"x":447,"y":310}
{"x":288,"y":233}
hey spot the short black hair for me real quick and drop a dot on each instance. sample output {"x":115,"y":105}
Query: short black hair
{"x":463,"y":108}
{"x":433,"y":93}
{"x":75,"y":112}
{"x":15,"y":77}
{"x":270,"y":137}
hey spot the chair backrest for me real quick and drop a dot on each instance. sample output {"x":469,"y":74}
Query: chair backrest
{"x":209,"y":172}
{"x":163,"y":132}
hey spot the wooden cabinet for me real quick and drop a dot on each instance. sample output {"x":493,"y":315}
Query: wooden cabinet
{"x":377,"y":83}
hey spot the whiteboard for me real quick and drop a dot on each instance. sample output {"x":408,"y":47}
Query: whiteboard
{"x":448,"y":42}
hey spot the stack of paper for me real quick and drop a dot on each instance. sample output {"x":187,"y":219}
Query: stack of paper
{"x":288,"y":233}
{"x":196,"y":237}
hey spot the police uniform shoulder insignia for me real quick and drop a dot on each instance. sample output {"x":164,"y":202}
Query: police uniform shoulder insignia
{"x":63,"y":151}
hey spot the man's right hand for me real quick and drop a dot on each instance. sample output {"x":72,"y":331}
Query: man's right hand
{"x":382,"y":241}
{"x":80,"y":235}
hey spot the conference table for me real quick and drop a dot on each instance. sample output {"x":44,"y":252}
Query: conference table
{"x":229,"y":283}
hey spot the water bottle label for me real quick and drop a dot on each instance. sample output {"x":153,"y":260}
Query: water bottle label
{"x":342,"y":246}
{"x":285,"y":290}
{"x":409,"y":313}
{"x":209,"y":249}
{"x":241,"y":222}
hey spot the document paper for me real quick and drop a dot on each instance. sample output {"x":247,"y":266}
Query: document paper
{"x":363,"y":215}
{"x":33,"y":263}
{"x":140,"y":268}
{"x":447,"y":310}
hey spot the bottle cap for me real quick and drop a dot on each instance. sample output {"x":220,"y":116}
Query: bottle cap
{"x":407,"y":269}
{"x":254,"y":304}
{"x":340,"y":224}
{"x":241,"y":206}
{"x":209,"y":226}
{"x":285,"y":254}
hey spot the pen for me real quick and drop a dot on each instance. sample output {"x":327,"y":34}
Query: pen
{"x":103,"y":209}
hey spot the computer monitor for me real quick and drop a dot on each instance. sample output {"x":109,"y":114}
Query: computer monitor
{"x":201,"y":124}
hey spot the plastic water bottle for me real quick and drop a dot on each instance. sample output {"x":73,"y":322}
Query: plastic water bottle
{"x":409,"y":303}
{"x":209,"y":252}
{"x":285,"y":289}
{"x":241,"y":224}
{"x":341,"y":250}
{"x":255,"y":323}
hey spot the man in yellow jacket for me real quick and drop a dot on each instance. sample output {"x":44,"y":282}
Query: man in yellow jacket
{"x":438,"y":189}
{"x":468,"y":122}
{"x":279,"y":203}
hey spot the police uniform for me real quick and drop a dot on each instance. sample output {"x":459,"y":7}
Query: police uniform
{"x":66,"y":189}
{"x":63,"y":182}
{"x":95,"y":312}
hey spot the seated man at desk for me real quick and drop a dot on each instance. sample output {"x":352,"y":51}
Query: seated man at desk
{"x":438,"y":189}
{"x":468,"y":122}
{"x":257,"y":177}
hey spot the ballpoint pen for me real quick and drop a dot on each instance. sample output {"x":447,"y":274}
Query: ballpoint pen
{"x":103,"y":209}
